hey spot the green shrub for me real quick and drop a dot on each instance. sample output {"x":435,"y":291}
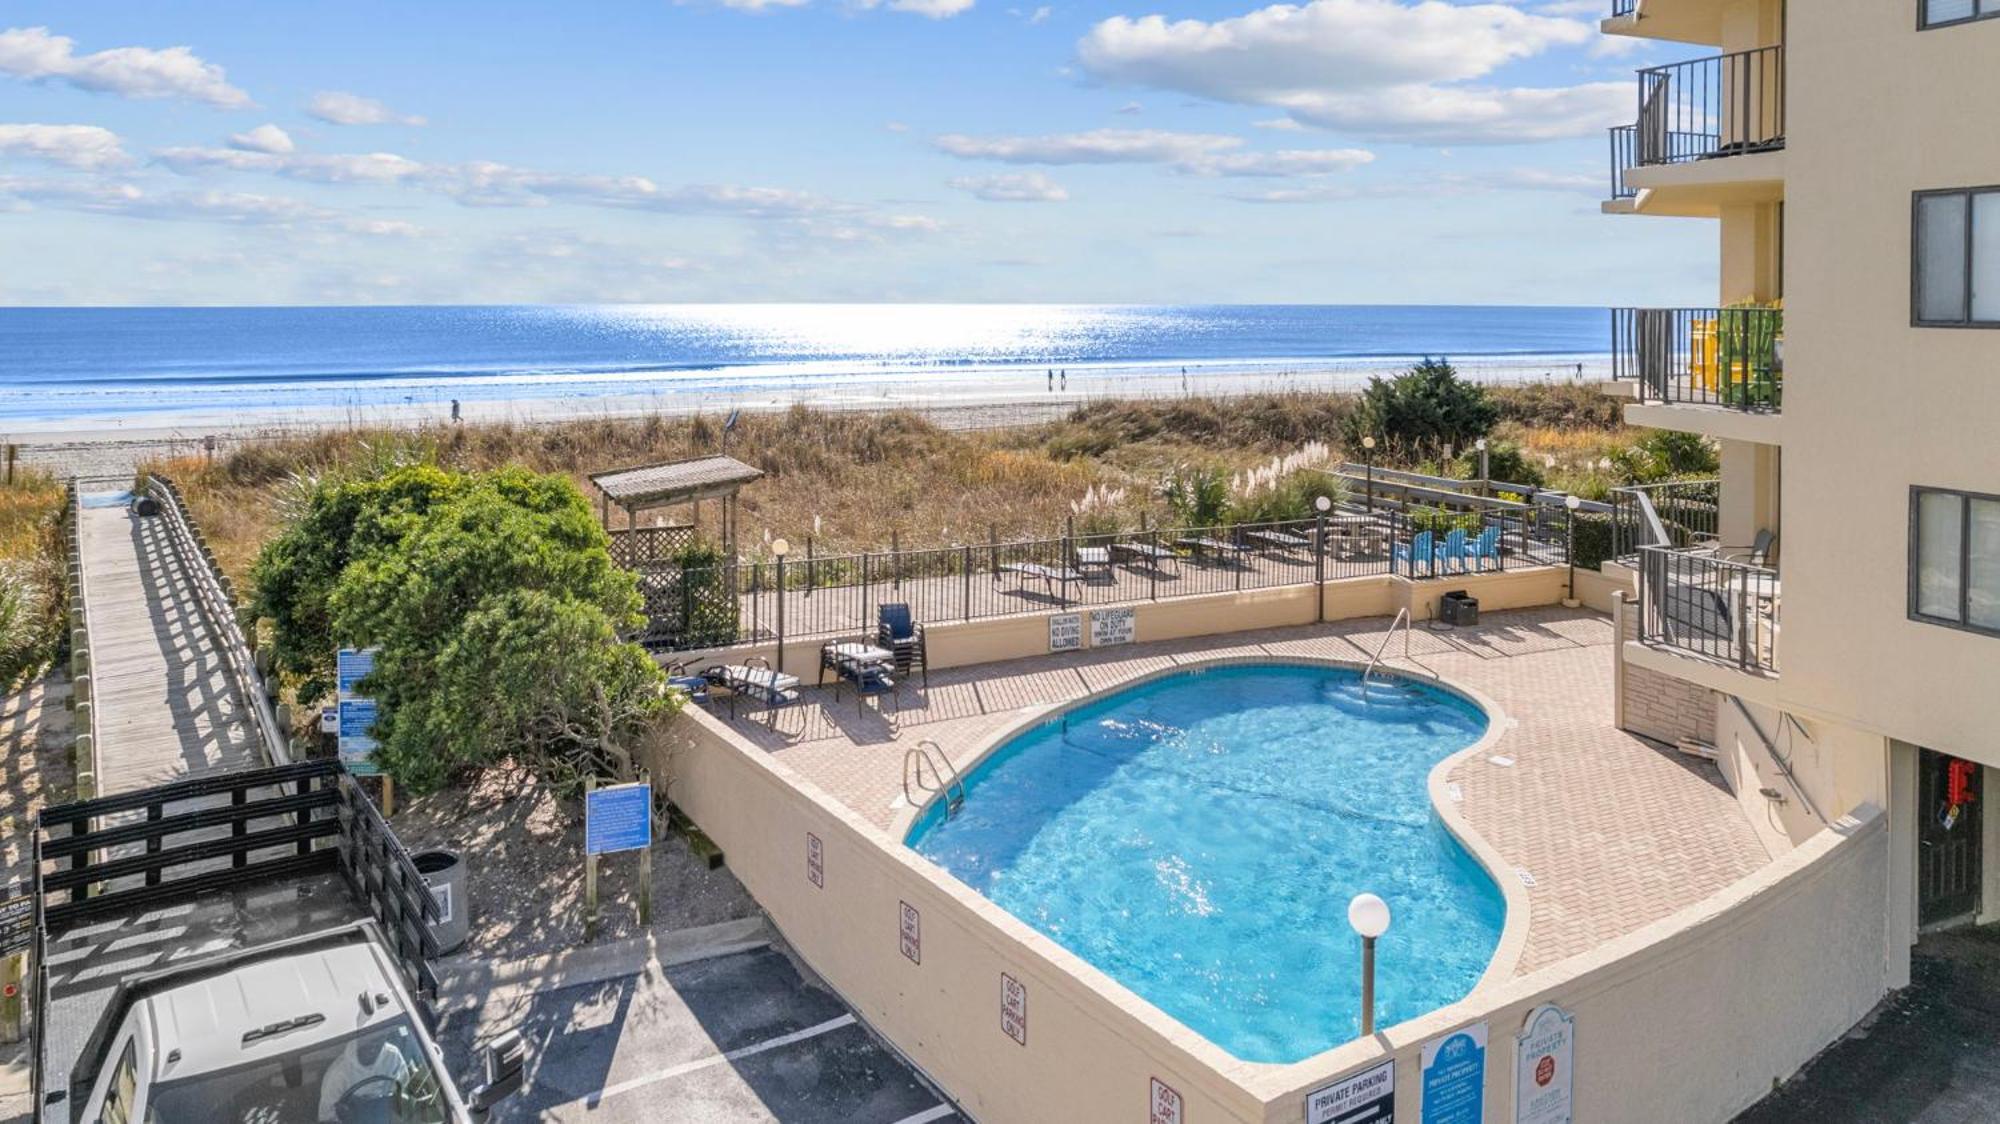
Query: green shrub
{"x":1198,"y":496}
{"x":1593,"y":539}
{"x":1423,"y":410}
{"x":1504,"y":461}
{"x":496,"y":608}
{"x":1666,"y":454}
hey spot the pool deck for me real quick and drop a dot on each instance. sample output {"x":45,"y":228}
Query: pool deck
{"x":1608,"y":832}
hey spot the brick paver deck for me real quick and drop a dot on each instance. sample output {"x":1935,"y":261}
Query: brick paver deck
{"x":1614,"y":832}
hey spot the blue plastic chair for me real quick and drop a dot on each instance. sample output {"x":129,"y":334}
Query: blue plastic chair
{"x":1450,"y":554}
{"x":1419,"y":547}
{"x":1486,"y":546}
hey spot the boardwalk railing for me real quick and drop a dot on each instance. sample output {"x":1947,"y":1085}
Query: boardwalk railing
{"x":218,"y":605}
{"x":825,"y":596}
{"x":83,"y":676}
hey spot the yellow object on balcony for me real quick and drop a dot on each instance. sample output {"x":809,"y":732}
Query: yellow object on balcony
{"x":1701,"y":353}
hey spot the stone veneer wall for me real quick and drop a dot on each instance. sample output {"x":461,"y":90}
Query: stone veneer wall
{"x":1660,"y":706}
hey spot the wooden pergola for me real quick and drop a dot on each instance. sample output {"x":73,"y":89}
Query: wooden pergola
{"x":673,"y":484}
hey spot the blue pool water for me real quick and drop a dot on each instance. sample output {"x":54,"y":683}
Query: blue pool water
{"x":1198,"y":838}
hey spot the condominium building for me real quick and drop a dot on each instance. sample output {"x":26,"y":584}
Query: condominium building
{"x":1826,"y":617}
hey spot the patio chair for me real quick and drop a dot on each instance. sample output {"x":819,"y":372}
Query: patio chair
{"x":755,"y":679}
{"x":1049,"y":576}
{"x":1152,"y":556}
{"x":1486,"y":546}
{"x":869,"y":676}
{"x":899,"y":632}
{"x":1418,"y":547}
{"x":694,"y":683}
{"x":1450,"y":554}
{"x":1280,"y":541}
{"x":1762,"y":550}
{"x":1085,"y":559}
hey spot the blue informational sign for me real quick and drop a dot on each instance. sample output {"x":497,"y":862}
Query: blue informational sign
{"x":618,"y":818}
{"x":351,"y":666}
{"x":1454,"y":1086}
{"x":357,"y":736}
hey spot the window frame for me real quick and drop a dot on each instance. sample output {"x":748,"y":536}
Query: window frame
{"x":1969,"y":194}
{"x":1924,"y":24}
{"x":1965,"y":498}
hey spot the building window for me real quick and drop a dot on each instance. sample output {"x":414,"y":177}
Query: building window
{"x":1943,"y":13}
{"x":1955,"y":558}
{"x":1955,"y":257}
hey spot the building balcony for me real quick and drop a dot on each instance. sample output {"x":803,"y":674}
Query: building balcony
{"x":1683,"y":21}
{"x":1709,"y":132}
{"x":1699,"y":599}
{"x":1719,"y":372}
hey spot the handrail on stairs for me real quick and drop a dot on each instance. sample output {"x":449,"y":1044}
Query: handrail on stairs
{"x":1408,"y":622}
{"x":919,"y":755}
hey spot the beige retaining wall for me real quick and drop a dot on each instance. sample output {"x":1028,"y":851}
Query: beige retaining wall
{"x":1689,"y":1019}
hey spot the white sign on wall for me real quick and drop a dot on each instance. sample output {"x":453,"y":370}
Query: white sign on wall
{"x":1368,"y":1097}
{"x":815,"y":861}
{"x":1113,"y":626}
{"x":1167,"y":1108}
{"x":1066,"y":632}
{"x":1544,"y":1076}
{"x":912,"y":931}
{"x":1014,"y":1008}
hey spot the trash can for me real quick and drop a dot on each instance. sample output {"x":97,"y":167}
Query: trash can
{"x":444,"y":873}
{"x":1459,"y":608}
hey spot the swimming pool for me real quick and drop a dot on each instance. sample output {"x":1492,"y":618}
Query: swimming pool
{"x":1198,"y":836}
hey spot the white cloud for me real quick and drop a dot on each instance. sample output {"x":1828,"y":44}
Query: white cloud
{"x":88,"y":147}
{"x":336,"y":107}
{"x":1377,"y":68}
{"x":1206,"y":154}
{"x":132,"y":72}
{"x":226,"y":207}
{"x":930,"y":9}
{"x":1279,"y":124}
{"x":371,"y":167}
{"x":1021,"y":187}
{"x":762,"y":5}
{"x":1129,"y":108}
{"x":263,"y":138}
{"x":1040,"y":15}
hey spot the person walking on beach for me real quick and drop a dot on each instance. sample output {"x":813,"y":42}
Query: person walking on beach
{"x":454,"y":410}
{"x":1065,"y":380}
{"x":1052,"y":380}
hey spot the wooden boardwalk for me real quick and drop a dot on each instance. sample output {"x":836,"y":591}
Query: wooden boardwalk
{"x":165,"y":703}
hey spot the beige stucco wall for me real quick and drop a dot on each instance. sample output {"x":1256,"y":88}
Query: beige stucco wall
{"x":1873,"y":405}
{"x":1672,"y":990}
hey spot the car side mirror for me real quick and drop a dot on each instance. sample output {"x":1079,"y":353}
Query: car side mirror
{"x":503,"y":1060}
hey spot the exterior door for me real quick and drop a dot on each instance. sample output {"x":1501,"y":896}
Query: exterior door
{"x":1948,"y":851}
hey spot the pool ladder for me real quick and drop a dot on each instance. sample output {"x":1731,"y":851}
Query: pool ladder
{"x":919,"y":757}
{"x":1408,"y":622}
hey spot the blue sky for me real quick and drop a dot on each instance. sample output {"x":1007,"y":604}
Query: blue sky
{"x":1380,"y":151}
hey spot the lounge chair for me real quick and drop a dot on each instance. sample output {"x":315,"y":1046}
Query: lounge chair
{"x":1280,"y":540}
{"x":1203,"y":546}
{"x":1049,"y":576}
{"x":867,"y":667}
{"x":899,"y":632}
{"x":1150,"y":555}
{"x":754,"y":678}
{"x":693,"y":683}
{"x":1450,"y":554}
{"x":1088,"y":558}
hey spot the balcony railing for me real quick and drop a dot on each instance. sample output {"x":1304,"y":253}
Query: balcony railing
{"x":1728,"y":357}
{"x":1621,"y":8}
{"x":1706,"y":606}
{"x":1678,"y":514}
{"x":1725,"y":105}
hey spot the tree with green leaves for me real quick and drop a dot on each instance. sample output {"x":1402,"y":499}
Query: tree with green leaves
{"x":496,"y":609}
{"x":1424,"y":409}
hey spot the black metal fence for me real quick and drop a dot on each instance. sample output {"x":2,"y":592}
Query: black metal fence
{"x":1729,"y":357}
{"x":1724,"y":105}
{"x":1710,"y":607}
{"x":1684,"y":512}
{"x":1621,"y":8}
{"x":1624,"y":157}
{"x":826,"y":596}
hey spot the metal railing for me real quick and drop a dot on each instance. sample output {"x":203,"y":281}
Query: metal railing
{"x":1724,"y":105}
{"x":1728,"y":357}
{"x":218,"y":604}
{"x":742,"y":602}
{"x":1624,"y":157}
{"x":1706,"y":606}
{"x":1620,"y":8}
{"x":1677,"y":514}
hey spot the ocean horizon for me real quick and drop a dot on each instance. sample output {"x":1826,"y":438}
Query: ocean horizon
{"x":66,"y":368}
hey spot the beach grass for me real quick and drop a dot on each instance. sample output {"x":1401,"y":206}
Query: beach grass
{"x":852,"y":480}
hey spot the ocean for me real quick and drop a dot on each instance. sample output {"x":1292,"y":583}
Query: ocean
{"x":98,"y":368}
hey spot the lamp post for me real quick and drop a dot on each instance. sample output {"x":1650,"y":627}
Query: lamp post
{"x":1368,"y":458}
{"x":1484,"y":477}
{"x":1369,"y":915}
{"x":1321,"y":506}
{"x":780,"y":548}
{"x":1572,"y":503}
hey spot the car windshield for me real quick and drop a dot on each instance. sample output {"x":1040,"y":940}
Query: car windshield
{"x":381,"y":1075}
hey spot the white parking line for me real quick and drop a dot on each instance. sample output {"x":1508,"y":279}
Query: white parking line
{"x":928,"y":1115}
{"x":685,"y":1068}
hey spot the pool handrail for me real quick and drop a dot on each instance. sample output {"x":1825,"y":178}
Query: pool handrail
{"x":954,"y":789}
{"x":1408,"y":622}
